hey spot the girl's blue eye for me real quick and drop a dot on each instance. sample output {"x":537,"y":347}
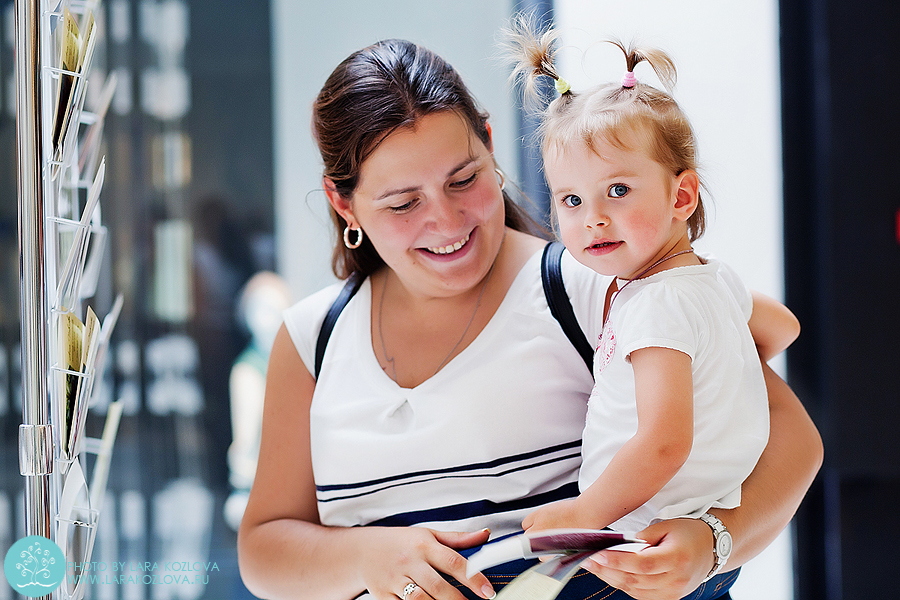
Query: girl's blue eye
{"x":617,"y":190}
{"x":572,"y":201}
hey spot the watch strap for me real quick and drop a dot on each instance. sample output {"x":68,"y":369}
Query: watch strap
{"x":718,"y":529}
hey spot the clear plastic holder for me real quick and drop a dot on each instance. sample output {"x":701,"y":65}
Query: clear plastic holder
{"x":90,"y":276}
{"x":90,"y":143}
{"x":77,"y":7}
{"x":63,"y":155}
{"x":78,"y":280}
{"x":63,"y":151}
{"x":69,"y":428}
{"x":75,"y":536}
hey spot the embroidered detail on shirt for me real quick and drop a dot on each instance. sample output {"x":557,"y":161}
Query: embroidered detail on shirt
{"x":606,"y":348}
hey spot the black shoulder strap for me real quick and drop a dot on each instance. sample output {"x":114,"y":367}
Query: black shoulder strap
{"x":558,"y":300}
{"x":349,"y":290}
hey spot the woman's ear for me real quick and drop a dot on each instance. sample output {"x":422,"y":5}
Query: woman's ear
{"x":340,"y":204}
{"x":687,"y":194}
{"x":490,"y":144}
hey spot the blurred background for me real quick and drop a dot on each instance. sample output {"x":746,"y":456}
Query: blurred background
{"x":213,"y":178}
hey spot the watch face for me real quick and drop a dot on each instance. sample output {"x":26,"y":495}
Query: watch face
{"x":724,"y":544}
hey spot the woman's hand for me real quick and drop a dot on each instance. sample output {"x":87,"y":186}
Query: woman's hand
{"x":680,"y":556}
{"x":393,"y":557}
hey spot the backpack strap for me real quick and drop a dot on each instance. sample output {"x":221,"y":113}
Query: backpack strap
{"x":554,"y":291}
{"x":558,"y":301}
{"x":349,"y":290}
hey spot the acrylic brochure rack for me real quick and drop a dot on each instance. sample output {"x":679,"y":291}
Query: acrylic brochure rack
{"x":61,"y":241}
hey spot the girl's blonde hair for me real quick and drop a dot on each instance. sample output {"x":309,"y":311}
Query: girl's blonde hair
{"x":622,"y":116}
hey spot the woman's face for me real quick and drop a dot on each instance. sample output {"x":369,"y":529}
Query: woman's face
{"x":429,"y":201}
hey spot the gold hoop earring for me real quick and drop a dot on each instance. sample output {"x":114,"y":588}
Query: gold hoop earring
{"x":501,"y":176}
{"x":359,"y":237}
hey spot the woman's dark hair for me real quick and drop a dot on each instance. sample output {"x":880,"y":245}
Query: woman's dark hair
{"x":373,"y":92}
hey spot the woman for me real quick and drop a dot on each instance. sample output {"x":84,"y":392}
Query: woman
{"x":448,"y":397}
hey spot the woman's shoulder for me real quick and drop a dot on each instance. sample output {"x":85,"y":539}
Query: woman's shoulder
{"x":316,"y":302}
{"x":304,"y":319}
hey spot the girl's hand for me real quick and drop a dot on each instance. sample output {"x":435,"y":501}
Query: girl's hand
{"x":680,"y":556}
{"x":394,"y":557}
{"x":558,"y":515}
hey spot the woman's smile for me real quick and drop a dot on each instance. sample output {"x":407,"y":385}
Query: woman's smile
{"x":450,"y":248}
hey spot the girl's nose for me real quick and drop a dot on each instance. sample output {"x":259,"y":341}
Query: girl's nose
{"x":595,"y":216}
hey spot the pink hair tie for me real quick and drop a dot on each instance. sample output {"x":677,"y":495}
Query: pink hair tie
{"x":629,"y":80}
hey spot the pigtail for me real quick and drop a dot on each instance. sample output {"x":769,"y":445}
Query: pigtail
{"x":531,"y":49}
{"x":661,"y":63}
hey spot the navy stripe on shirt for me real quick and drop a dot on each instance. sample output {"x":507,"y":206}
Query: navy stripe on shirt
{"x":457,"y":469}
{"x":477,"y":508}
{"x":576,"y":455}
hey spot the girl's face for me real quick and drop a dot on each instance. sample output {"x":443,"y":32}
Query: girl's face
{"x":430,"y":202}
{"x":619,"y":211}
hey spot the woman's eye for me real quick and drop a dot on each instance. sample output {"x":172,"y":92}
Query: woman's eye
{"x":618,"y":190}
{"x":403,"y":207}
{"x":571,"y":200}
{"x":465,"y":182}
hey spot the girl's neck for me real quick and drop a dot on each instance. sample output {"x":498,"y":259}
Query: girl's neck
{"x":665,"y":259}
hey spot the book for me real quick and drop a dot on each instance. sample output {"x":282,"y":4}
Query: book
{"x":568,"y":548}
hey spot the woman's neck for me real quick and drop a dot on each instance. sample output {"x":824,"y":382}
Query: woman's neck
{"x":414,"y":335}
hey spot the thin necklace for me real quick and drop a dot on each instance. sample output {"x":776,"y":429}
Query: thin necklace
{"x":390,"y":360}
{"x":639,"y":275}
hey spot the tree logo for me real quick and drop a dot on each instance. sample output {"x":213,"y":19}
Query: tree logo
{"x":34,"y":566}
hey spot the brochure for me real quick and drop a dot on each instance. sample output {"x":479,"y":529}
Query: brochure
{"x":545,"y":580}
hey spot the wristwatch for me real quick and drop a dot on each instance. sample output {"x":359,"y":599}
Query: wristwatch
{"x":722,"y":543}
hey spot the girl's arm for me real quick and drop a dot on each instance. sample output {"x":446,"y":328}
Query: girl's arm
{"x":773,"y":325}
{"x":284,"y":552}
{"x":665,"y":405}
{"x":682,"y":552}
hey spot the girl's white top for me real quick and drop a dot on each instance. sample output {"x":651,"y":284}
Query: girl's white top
{"x":702,"y":311}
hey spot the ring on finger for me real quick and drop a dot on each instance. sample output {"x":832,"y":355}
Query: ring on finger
{"x":409,"y":589}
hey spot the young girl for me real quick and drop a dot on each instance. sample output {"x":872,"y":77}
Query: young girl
{"x":678,"y":415}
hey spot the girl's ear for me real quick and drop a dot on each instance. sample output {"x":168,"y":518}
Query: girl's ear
{"x":340,"y":204}
{"x":687,"y":194}
{"x":490,"y":144}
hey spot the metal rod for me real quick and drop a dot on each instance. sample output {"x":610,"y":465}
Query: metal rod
{"x":35,"y":433}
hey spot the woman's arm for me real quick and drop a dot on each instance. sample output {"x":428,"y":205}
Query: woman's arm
{"x":682,"y":552}
{"x":773,"y":325}
{"x":779,"y":482}
{"x":284,"y":552}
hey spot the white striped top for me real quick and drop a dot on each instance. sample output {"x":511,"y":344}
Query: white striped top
{"x":493,"y":435}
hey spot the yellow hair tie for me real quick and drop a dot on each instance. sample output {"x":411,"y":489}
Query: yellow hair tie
{"x":562,"y":86}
